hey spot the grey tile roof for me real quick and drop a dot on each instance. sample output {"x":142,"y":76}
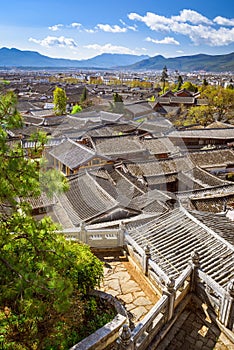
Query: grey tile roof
{"x":219,"y":223}
{"x":213,"y":157}
{"x":160,"y":145}
{"x":174,"y":235}
{"x":72,"y":154}
{"x":225,"y":134}
{"x":86,"y":199}
{"x":160,"y":167}
{"x":119,"y":146}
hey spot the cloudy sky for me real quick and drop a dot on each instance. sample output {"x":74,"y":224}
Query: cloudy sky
{"x":80,"y":29}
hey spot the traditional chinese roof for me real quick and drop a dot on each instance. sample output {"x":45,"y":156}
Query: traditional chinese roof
{"x":160,"y":167}
{"x":217,"y":222}
{"x":160,"y":146}
{"x":85,"y":199}
{"x":225,"y":134}
{"x":120,"y":147}
{"x":72,"y":154}
{"x":212,"y":157}
{"x":174,"y":235}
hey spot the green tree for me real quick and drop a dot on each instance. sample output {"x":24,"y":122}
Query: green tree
{"x":187,"y":85}
{"x":84,"y":95}
{"x":44,"y":278}
{"x":117,"y":106}
{"x":220,"y":100}
{"x":60,"y":101}
{"x":205,"y":82}
{"x":179,"y":83}
{"x":76,"y":109}
{"x":202,"y":115}
{"x":164,"y":77}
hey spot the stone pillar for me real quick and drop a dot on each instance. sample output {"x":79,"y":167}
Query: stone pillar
{"x":146,"y":258}
{"x":226,"y":316}
{"x":121,"y":234}
{"x":195,"y":265}
{"x":124,"y":340}
{"x":170,"y":292}
{"x":83,"y":233}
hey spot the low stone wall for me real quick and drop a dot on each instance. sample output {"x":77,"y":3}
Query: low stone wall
{"x":106,"y":335}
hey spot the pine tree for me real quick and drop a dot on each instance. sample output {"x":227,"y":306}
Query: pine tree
{"x":43,"y":276}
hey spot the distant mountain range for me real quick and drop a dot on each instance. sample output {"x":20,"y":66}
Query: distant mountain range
{"x":17,"y":58}
{"x":218,"y":63}
{"x":201,"y":62}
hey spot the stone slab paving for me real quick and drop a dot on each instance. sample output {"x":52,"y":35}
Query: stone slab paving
{"x":120,"y":282}
{"x":196,"y":332}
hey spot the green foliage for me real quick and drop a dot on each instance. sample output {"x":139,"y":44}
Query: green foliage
{"x":76,"y":109}
{"x":44,"y":277}
{"x":164,"y":77}
{"x":151,"y":99}
{"x":179,"y":83}
{"x":220,"y":100}
{"x":189,"y":86}
{"x":230,"y":176}
{"x":84,"y":95}
{"x":117,"y":106}
{"x":60,"y":101}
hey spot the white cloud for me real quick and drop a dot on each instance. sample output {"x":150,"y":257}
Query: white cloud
{"x":76,"y":25}
{"x":111,"y":29}
{"x":109,"y":48}
{"x":224,"y":21}
{"x":134,"y":28}
{"x":56,"y":27}
{"x":50,"y":41}
{"x":91,"y":31}
{"x":198,"y":34}
{"x":191,"y":16}
{"x":166,"y":40}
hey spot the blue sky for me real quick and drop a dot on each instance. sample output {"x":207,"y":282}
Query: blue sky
{"x":80,"y":29}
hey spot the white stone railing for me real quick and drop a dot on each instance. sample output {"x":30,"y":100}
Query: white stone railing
{"x":108,"y":334}
{"x":176,"y":293}
{"x":175,"y":297}
{"x":165,"y":312}
{"x":105,"y":238}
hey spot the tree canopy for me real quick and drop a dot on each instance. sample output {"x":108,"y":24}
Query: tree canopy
{"x":44,"y":277}
{"x":60,"y":101}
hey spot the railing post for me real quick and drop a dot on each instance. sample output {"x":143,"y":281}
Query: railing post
{"x":195,"y":263}
{"x":146,"y":258}
{"x":170,"y":292}
{"x":83,"y":233}
{"x":124,"y":340}
{"x":226,"y":316}
{"x":121,"y":234}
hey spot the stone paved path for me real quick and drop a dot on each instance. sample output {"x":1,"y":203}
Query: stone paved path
{"x":137,"y":298}
{"x":195,"y":332}
{"x":192,"y":331}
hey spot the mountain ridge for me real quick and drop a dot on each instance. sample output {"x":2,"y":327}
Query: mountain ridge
{"x":18,"y":58}
{"x":200,"y":62}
